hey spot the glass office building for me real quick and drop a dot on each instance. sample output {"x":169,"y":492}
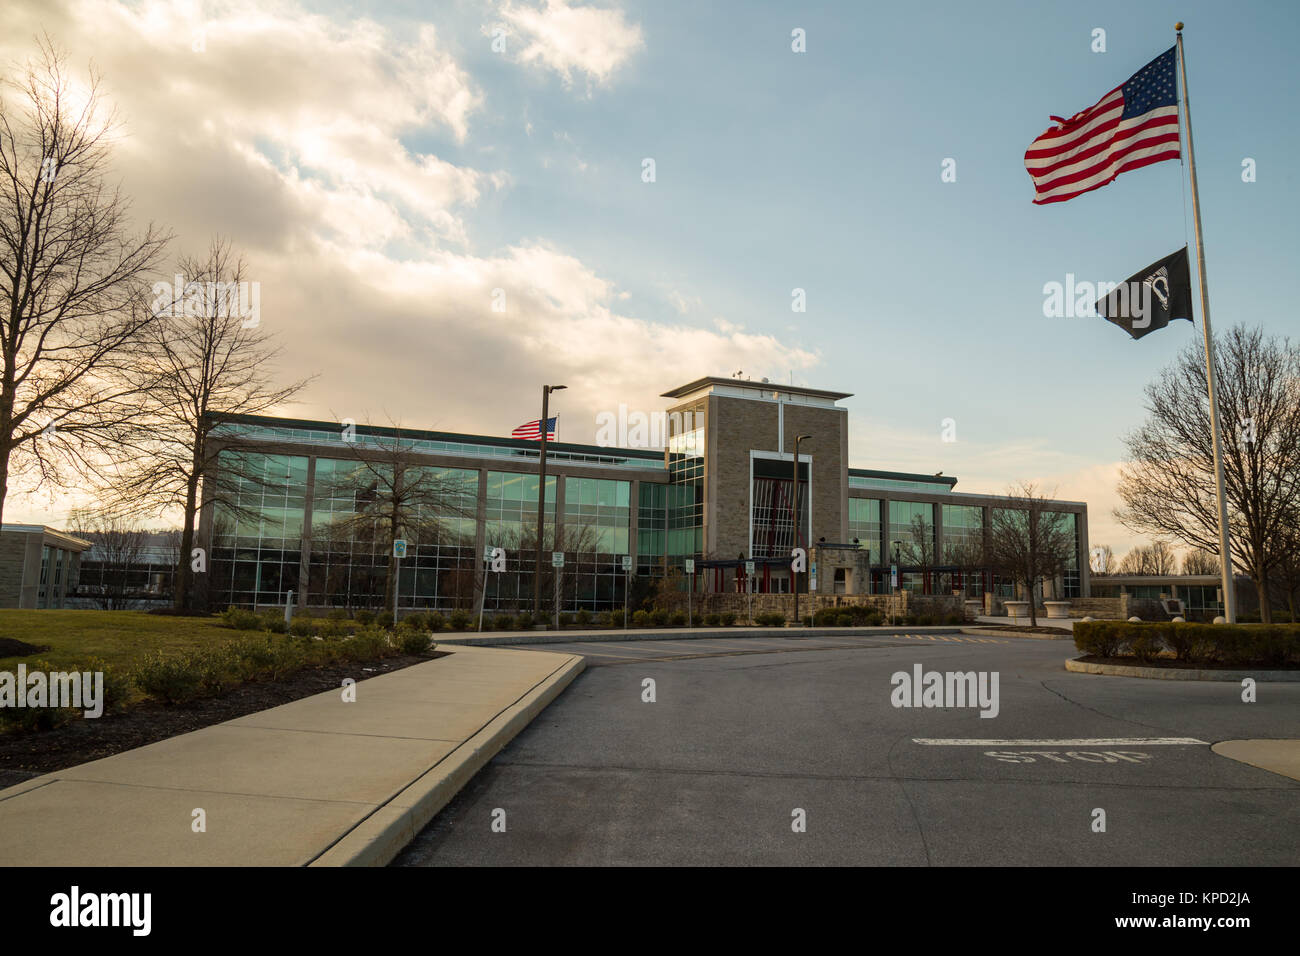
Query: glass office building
{"x":307,"y":511}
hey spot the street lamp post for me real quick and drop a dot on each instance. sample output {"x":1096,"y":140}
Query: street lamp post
{"x":794,"y":575}
{"x":541,"y":498}
{"x":897,"y":572}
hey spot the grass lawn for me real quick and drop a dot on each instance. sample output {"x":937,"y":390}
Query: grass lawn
{"x":118,"y":637}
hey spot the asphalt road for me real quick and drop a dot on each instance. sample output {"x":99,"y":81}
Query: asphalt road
{"x":744,"y":733}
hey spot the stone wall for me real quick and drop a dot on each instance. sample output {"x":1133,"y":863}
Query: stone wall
{"x":1105,"y":609}
{"x":13,"y":555}
{"x":1149,"y":609}
{"x":902,"y":603}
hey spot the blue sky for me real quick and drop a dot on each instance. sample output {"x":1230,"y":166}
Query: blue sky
{"x":774,"y":170}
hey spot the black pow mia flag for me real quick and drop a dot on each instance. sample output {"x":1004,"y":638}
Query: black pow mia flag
{"x":1150,"y":299}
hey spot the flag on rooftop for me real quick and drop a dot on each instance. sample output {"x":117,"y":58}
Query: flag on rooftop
{"x":533,"y":430}
{"x":1134,"y":125}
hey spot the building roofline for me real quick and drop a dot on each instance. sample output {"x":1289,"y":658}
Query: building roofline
{"x":419,"y":434}
{"x":699,"y":383}
{"x":1207,"y":580}
{"x":948,"y":480}
{"x":46,"y":529}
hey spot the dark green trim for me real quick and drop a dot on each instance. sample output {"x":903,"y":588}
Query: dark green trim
{"x":646,"y":454}
{"x":948,"y":480}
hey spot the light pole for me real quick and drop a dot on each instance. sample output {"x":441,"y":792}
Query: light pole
{"x":541,"y":498}
{"x":794,"y":575}
{"x":897,"y":571}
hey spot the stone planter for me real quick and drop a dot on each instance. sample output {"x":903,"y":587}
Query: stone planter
{"x":974,"y":609}
{"x":1057,"y":609}
{"x":1017,"y":608}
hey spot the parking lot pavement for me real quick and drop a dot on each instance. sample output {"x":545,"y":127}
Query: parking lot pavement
{"x":787,"y":750}
{"x":613,"y":652}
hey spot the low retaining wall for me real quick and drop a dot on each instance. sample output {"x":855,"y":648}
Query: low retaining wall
{"x":902,"y":603}
{"x":1104,"y":609}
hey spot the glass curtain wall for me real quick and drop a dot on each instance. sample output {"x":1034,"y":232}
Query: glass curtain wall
{"x":596,"y":517}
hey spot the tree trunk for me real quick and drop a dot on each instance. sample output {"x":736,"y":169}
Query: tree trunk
{"x":390,"y":592}
{"x":4,"y":480}
{"x":6,"y":416}
{"x":181,"y":599}
{"x":1033,"y":605}
{"x":1265,"y":606}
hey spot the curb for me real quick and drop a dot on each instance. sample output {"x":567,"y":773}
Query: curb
{"x":386,"y":832}
{"x":990,"y":632}
{"x":1178,"y":673}
{"x":506,"y":638}
{"x":1279,"y":756}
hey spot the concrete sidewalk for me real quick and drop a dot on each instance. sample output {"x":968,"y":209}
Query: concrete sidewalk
{"x":314,"y":782}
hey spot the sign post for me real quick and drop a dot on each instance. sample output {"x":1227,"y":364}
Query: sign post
{"x":893,"y":587}
{"x":627,"y":570}
{"x":749,"y":589}
{"x":482,"y":604}
{"x":557,"y":562}
{"x":399,"y":552}
{"x":690,"y":594}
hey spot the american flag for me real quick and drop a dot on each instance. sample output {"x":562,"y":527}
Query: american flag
{"x":533,"y":430}
{"x":1133,"y":125}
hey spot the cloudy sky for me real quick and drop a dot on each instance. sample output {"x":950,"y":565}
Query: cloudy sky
{"x":385,"y":166}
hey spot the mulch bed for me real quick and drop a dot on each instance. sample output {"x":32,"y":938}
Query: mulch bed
{"x":12,"y":647}
{"x":1058,"y":631}
{"x":79,"y":741}
{"x":1170,"y":663}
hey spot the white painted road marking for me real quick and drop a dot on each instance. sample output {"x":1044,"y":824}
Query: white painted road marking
{"x":1073,"y":742}
{"x":1103,"y":756}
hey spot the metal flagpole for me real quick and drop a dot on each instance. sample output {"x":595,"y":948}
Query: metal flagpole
{"x":1229,"y":592}
{"x":483,"y":603}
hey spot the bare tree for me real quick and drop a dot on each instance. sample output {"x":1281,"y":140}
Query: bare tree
{"x":1288,"y":568}
{"x":1167,"y":486}
{"x":920,"y":551}
{"x":72,"y":297}
{"x":1029,"y":540}
{"x":967,"y":555}
{"x":580,"y":544}
{"x":116,"y":557}
{"x":1196,"y":561}
{"x":207,"y":357}
{"x":397,"y":493}
{"x":1156,"y":558}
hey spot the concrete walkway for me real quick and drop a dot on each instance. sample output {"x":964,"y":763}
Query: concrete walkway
{"x":318,"y":781}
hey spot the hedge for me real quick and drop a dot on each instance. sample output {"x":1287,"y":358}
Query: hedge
{"x":1267,"y":644}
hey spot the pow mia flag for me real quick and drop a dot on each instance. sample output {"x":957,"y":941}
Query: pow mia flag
{"x":1149,"y":300}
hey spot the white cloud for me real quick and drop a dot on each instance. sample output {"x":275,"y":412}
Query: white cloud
{"x":572,"y":39}
{"x":288,"y":134}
